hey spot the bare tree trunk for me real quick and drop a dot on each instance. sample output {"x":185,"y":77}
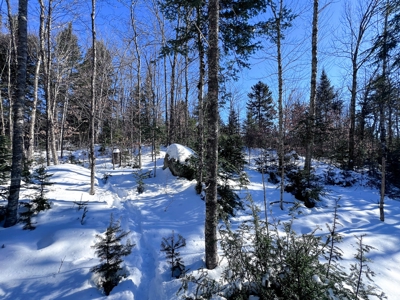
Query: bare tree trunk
{"x":358,"y":33}
{"x":211,"y":221}
{"x":93,"y":100}
{"x":62,"y":125}
{"x":382,"y":105}
{"x":172,"y":120}
{"x":138,"y":82}
{"x":3,"y":127}
{"x":50,"y":101}
{"x":200,"y":103}
{"x":313,"y":90}
{"x":31,"y":138}
{"x":278,"y":20}
{"x":186,"y":121}
{"x":12,"y":55}
{"x":18,"y":109}
{"x":163,"y":39}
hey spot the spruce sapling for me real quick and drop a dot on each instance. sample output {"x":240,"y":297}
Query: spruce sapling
{"x":81,"y":204}
{"x":42,"y":178}
{"x":85,"y":211}
{"x":334,"y":253}
{"x":110,"y":250}
{"x":170,"y":246}
{"x":26,"y":215}
{"x":360,"y":269}
{"x":139,"y":177}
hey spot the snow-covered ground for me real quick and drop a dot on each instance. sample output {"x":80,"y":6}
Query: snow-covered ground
{"x":54,"y":260}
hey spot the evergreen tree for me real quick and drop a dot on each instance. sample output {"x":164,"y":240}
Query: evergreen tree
{"x":233,"y":126}
{"x":170,"y":246}
{"x":26,"y":215}
{"x":260,"y":107}
{"x":231,"y":162}
{"x":110,"y":251}
{"x":41,"y":177}
{"x":250,"y":132}
{"x":327,"y":105}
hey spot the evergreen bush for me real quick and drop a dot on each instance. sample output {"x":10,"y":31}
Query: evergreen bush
{"x":42,"y":178}
{"x":26,"y":215}
{"x":110,"y":250}
{"x":271,"y":261}
{"x":305,"y":187}
{"x":140,"y":176}
{"x":170,"y":246}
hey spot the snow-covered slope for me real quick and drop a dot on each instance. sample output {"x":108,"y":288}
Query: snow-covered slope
{"x":54,"y":260}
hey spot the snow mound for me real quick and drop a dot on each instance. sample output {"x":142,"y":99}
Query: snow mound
{"x":179,"y":152}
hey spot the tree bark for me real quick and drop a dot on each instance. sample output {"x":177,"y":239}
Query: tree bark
{"x":12,"y":60}
{"x":313,"y":89}
{"x":172,"y":120}
{"x":50,"y":97}
{"x":93,"y":100}
{"x":138,"y":82}
{"x":18,"y":110}
{"x":382,"y":123}
{"x":211,"y":221}
{"x":200,"y":87}
{"x":31,"y":137}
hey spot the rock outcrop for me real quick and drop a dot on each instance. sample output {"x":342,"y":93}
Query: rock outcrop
{"x":179,"y":161}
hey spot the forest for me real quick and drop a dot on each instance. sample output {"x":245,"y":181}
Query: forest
{"x":317,"y":79}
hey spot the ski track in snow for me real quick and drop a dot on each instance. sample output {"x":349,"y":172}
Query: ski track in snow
{"x":149,"y":217}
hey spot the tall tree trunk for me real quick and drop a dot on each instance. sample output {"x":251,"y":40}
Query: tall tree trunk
{"x":200,"y":87}
{"x":62,"y":125}
{"x":211,"y":221}
{"x":280,"y":104}
{"x":382,"y":114}
{"x":3,"y":127}
{"x":18,"y":110}
{"x":278,"y":20}
{"x":186,"y":113}
{"x":12,"y":61}
{"x":138,"y":82}
{"x":31,"y":137}
{"x":357,"y":33}
{"x":50,"y":97}
{"x":93,"y":100}
{"x":313,"y":89}
{"x":172,"y":117}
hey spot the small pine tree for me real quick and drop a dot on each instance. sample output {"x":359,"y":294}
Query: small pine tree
{"x":359,"y":270}
{"x":170,"y":246}
{"x":110,"y":251}
{"x":139,"y":177}
{"x":41,"y":177}
{"x":27,"y":214}
{"x":271,"y":261}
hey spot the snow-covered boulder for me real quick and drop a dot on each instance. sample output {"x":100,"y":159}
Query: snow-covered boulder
{"x":177,"y":159}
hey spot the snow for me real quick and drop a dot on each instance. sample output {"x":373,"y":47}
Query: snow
{"x":179,"y":152}
{"x":54,"y":260}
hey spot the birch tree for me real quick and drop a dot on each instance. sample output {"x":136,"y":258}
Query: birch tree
{"x":93,"y":100}
{"x":18,"y":110}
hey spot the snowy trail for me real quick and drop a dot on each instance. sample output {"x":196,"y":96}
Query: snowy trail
{"x":150,"y":216}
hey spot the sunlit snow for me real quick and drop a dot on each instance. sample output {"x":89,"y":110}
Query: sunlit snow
{"x":54,"y":260}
